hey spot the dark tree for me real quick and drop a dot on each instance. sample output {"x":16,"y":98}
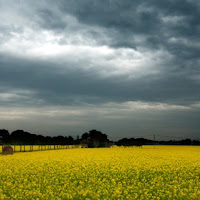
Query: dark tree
{"x":95,"y":139}
{"x":4,"y":136}
{"x":85,"y":136}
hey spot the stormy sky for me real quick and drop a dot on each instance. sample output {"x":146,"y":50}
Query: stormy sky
{"x":127,"y":68}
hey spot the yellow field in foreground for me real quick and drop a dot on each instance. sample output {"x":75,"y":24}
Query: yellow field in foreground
{"x":167,"y":172}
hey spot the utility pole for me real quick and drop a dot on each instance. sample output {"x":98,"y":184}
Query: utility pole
{"x":154,"y":138}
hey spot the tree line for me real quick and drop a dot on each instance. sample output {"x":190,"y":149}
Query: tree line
{"x":90,"y":139}
{"x":25,"y":138}
{"x":143,"y":141}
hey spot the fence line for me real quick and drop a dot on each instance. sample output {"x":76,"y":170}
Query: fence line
{"x":29,"y":148}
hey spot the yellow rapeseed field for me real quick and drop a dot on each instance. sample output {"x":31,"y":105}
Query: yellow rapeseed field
{"x":167,"y":172}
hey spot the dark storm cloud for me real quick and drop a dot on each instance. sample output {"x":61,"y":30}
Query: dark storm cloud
{"x":139,"y":17}
{"x":170,"y":25}
{"x":71,"y":86}
{"x":87,"y":54}
{"x":156,"y":21}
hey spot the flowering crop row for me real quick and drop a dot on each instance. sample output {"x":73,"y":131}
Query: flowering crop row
{"x":24,"y":148}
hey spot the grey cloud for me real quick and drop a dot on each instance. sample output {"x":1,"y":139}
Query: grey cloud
{"x":122,"y":21}
{"x":130,"y":18}
{"x":146,"y":26}
{"x":73,"y":85}
{"x":139,"y":25}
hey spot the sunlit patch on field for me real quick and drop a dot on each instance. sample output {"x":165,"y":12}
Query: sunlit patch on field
{"x":166,"y":172}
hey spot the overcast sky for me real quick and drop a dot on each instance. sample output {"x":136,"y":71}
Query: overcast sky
{"x":127,"y":68}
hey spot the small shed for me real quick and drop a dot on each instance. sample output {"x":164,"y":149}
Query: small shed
{"x":84,"y":143}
